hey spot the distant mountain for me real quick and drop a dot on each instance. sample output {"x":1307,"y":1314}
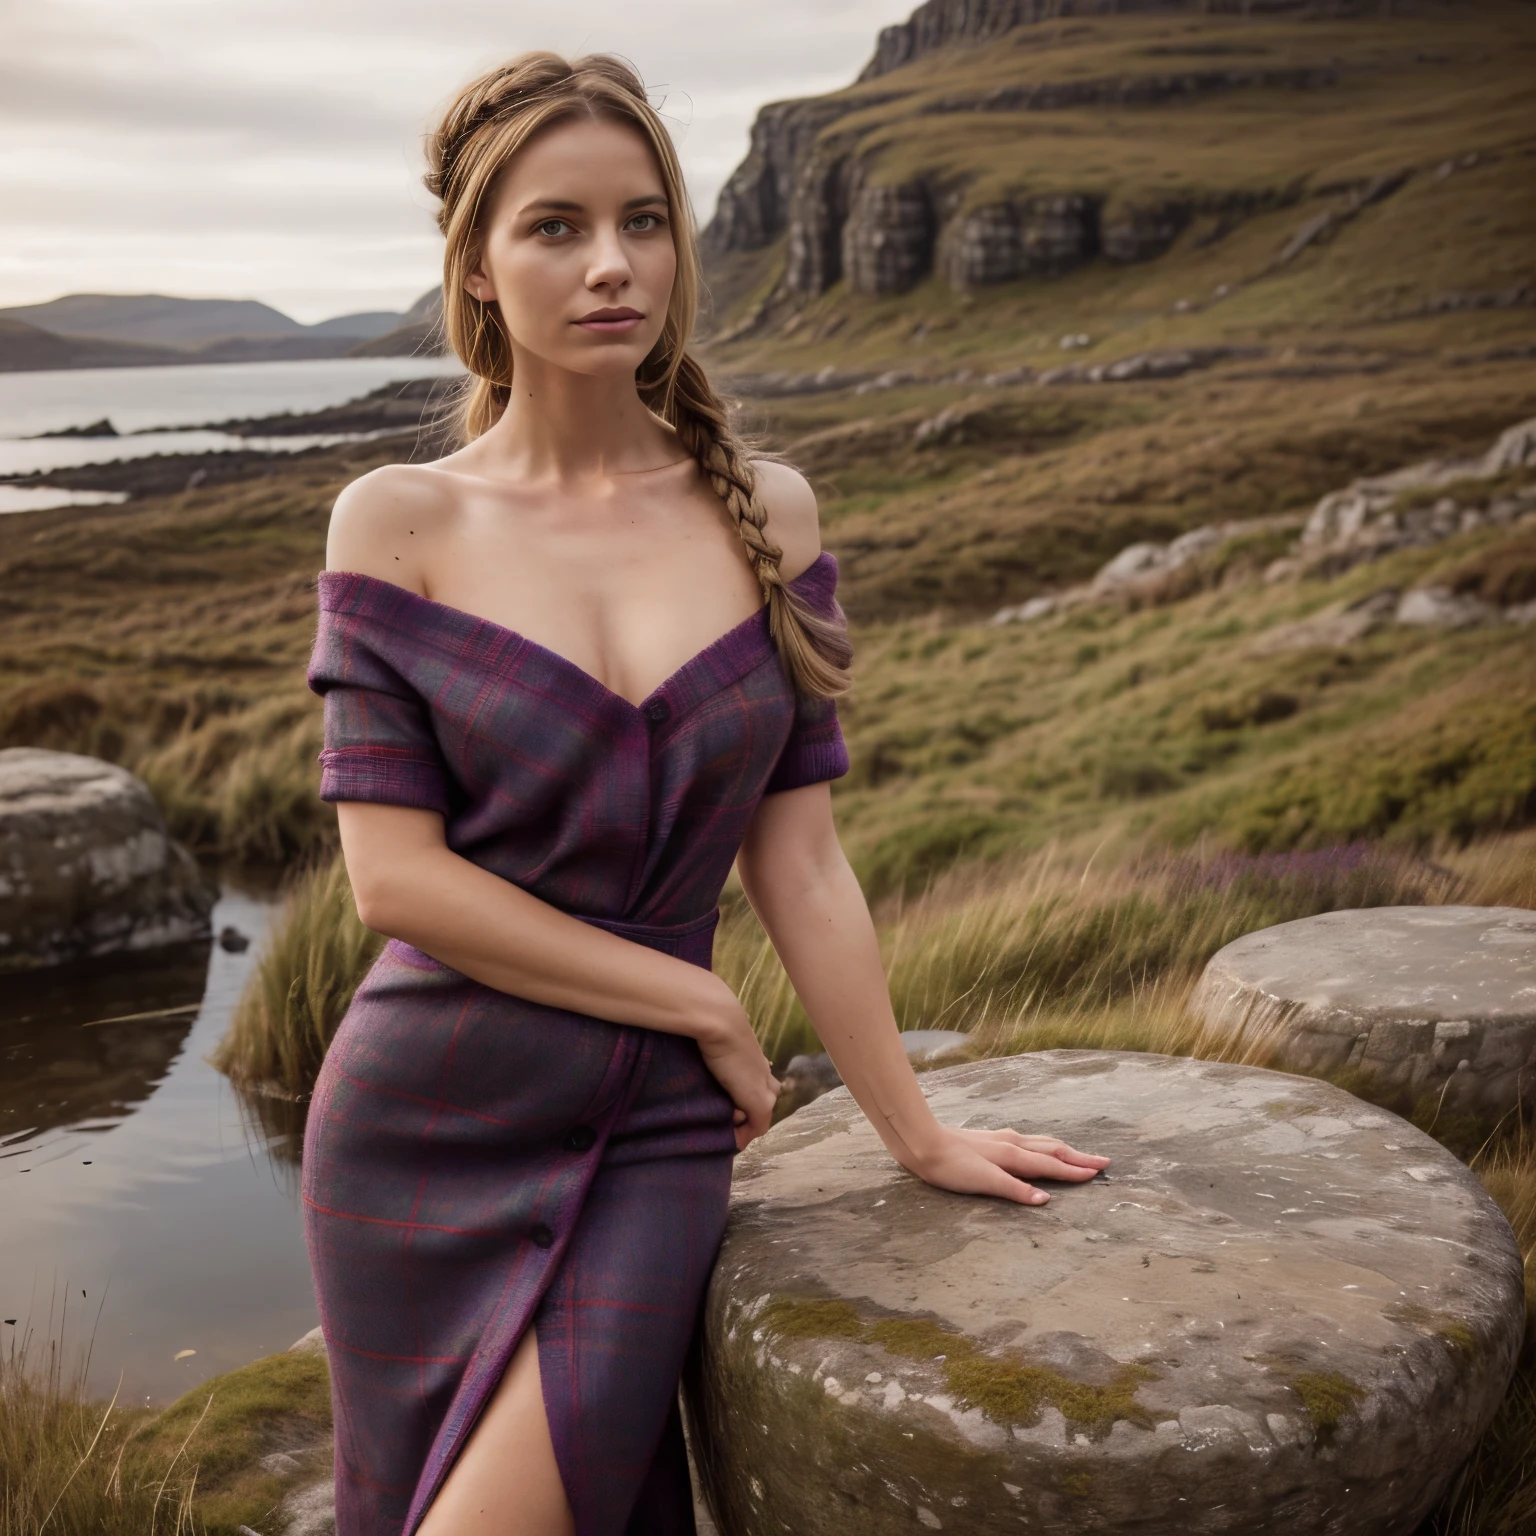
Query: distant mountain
{"x":160,"y":320}
{"x":359,"y":327}
{"x":30,"y":349}
{"x":419,"y":331}
{"x":154,"y":318}
{"x":105,"y":330}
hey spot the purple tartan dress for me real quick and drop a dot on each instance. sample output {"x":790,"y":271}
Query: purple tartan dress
{"x":475,"y":1163}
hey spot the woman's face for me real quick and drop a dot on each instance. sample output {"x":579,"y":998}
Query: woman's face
{"x":578,"y":250}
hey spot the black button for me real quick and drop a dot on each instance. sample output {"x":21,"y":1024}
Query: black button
{"x":656,"y":711}
{"x":579,"y":1138}
{"x":541,"y":1236}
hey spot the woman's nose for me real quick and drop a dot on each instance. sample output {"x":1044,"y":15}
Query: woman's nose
{"x":609,"y":266}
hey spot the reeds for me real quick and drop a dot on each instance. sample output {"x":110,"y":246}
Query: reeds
{"x":316,"y":955}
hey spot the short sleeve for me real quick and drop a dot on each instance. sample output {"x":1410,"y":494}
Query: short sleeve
{"x":815,"y":750}
{"x":379,"y":741}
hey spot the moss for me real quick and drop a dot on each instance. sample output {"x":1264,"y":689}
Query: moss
{"x":1006,"y":1389}
{"x":1013,"y":1392}
{"x":287,"y":1395}
{"x":916,"y":1338}
{"x":810,"y":1318}
{"x":1458,"y":1336}
{"x":1076,"y":1484}
{"x":1329,"y":1399}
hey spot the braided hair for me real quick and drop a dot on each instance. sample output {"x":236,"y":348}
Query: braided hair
{"x":488,"y":122}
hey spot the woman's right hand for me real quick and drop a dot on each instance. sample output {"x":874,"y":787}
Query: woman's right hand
{"x":731,"y":1051}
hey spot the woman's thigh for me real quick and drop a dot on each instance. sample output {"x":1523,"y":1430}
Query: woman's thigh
{"x":505,"y":1481}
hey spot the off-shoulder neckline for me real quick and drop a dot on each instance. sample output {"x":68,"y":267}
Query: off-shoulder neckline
{"x":721,"y":642}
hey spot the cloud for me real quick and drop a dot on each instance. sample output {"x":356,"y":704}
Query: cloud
{"x":274,"y":149}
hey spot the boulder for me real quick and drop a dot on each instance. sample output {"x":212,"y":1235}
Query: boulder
{"x":1441,"y":608}
{"x":1283,"y":1311}
{"x":808,"y":1077}
{"x":1424,"y":1000}
{"x":86,"y":866}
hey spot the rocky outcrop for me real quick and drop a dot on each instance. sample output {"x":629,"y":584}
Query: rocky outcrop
{"x":1377,"y":514}
{"x":1030,"y":237}
{"x":1370,"y":518}
{"x":1427,"y":1000}
{"x":1282,"y":1311}
{"x":754,"y":205}
{"x":940,"y":24}
{"x":820,"y":186}
{"x":888,"y":237}
{"x":86,"y":866}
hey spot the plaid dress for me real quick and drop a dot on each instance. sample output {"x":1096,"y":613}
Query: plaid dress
{"x":475,"y":1163}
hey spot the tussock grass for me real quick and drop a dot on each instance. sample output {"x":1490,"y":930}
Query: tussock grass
{"x":74,"y":1466}
{"x":1048,"y":949}
{"x":317,"y":953}
{"x":70,"y":1465}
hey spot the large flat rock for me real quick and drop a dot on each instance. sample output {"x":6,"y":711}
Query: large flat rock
{"x":86,"y":866}
{"x":1284,"y":1311}
{"x":1431,"y":1000}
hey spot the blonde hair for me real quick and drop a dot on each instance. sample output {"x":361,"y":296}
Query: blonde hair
{"x":493,"y":118}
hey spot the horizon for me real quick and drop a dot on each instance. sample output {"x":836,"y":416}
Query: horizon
{"x":251,"y":153}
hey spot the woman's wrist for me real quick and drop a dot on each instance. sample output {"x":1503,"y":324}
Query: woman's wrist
{"x":711,"y":1011}
{"x":913,"y":1137}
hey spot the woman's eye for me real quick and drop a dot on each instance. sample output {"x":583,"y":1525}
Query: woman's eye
{"x":645,"y":221}
{"x":552,"y":227}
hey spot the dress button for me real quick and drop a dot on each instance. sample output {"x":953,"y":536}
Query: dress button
{"x":541,"y":1236}
{"x":656,"y":711}
{"x":579,"y":1138}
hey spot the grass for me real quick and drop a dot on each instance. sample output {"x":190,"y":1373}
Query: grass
{"x":315,"y":957}
{"x":71,"y":1466}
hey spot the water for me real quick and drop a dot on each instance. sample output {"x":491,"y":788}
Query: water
{"x":128,"y":1173}
{"x":39,"y":498}
{"x":30,"y":456}
{"x":137,"y":399}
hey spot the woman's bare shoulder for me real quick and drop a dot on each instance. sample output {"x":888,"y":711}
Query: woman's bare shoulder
{"x":382,"y":522}
{"x":793,"y":521}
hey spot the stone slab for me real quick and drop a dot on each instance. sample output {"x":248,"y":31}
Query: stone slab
{"x":1283,"y":1311}
{"x":1438,"y":1000}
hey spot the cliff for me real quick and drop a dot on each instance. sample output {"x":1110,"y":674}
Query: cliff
{"x":942,"y":24}
{"x":989,"y":141}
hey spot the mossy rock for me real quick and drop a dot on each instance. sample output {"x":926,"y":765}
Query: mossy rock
{"x":255,"y":1435}
{"x":1283,"y":1311}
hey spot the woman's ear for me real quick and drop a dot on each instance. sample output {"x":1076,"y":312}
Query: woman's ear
{"x":479,"y":286}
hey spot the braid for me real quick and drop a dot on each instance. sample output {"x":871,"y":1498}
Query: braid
{"x":814,"y":649}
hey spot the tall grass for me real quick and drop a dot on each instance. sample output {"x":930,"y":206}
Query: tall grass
{"x":1031,"y":952}
{"x":316,"y":955}
{"x":70,"y":1466}
{"x":1042,"y":951}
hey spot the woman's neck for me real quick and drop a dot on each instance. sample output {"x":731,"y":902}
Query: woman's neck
{"x":564,"y":428}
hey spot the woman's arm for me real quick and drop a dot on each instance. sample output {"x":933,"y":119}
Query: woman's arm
{"x":410,"y":885}
{"x":794,"y":872}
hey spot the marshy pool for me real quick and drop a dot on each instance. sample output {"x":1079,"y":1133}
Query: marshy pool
{"x":142,"y":1210}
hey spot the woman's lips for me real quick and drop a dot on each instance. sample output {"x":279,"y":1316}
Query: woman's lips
{"x":611,"y":321}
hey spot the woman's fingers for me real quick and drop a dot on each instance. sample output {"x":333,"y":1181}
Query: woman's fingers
{"x":1050,"y":1146}
{"x":1030,"y":1162}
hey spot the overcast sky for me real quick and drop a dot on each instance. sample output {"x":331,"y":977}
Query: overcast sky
{"x":272,"y":150}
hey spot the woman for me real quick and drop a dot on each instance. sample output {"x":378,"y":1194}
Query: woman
{"x":571,"y":672}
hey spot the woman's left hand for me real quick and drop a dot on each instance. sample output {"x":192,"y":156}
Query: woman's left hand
{"x":1000,"y":1163}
